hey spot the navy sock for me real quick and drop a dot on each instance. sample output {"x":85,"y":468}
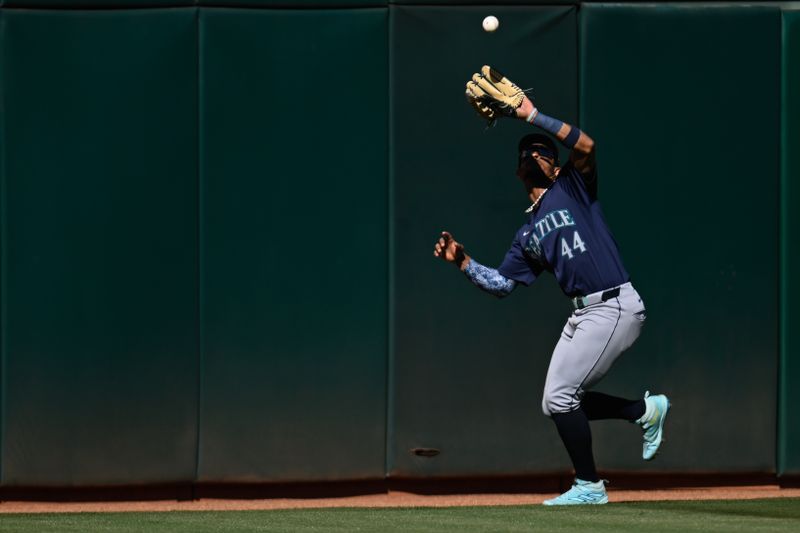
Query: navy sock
{"x":599,"y":406}
{"x":577,"y":437}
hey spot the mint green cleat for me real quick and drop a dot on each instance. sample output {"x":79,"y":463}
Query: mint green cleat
{"x":582,"y":493}
{"x":652,"y":422}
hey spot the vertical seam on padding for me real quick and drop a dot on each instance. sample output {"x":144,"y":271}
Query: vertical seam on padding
{"x":3,"y":240}
{"x":199,"y":268}
{"x":390,"y":300}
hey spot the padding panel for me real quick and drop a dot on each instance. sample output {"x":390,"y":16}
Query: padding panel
{"x":789,"y":430}
{"x":99,"y":247}
{"x":294,"y":249}
{"x":688,"y":157}
{"x":468,"y":369}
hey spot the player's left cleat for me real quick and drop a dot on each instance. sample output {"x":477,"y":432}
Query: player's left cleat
{"x":582,"y":493}
{"x":652,"y":422}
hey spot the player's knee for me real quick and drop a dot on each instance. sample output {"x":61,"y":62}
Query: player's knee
{"x":556,"y":403}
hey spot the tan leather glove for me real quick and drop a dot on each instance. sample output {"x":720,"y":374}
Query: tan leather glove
{"x":493,"y":95}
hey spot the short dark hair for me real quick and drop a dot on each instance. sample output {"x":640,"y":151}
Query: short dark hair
{"x":531,"y":140}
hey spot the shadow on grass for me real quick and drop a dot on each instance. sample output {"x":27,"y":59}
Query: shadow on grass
{"x":783,"y":508}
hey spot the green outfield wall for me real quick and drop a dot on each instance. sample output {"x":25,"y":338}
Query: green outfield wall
{"x":466,"y":378}
{"x":789,"y":428}
{"x":99,"y":247}
{"x":294,"y":256}
{"x":696,"y":222}
{"x":217,"y":220}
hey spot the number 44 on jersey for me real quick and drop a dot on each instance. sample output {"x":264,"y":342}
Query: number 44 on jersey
{"x":578,"y":246}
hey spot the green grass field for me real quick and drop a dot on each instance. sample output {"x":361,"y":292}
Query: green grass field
{"x":725,"y":516}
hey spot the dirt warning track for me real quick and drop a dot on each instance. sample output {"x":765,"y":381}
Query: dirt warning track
{"x":392,"y":499}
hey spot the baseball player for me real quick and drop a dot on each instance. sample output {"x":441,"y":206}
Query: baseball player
{"x":566,"y":235}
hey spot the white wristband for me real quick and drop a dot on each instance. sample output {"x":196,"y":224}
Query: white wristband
{"x":532,"y":116}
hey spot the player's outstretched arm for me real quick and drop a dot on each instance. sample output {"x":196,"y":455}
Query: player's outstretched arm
{"x":493,"y":95}
{"x":485,"y":278}
{"x":580,"y":144}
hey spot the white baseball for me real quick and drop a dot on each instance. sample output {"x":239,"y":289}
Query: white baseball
{"x":490,"y":23}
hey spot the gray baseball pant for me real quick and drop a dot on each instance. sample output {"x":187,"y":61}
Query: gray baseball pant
{"x":592,"y":340}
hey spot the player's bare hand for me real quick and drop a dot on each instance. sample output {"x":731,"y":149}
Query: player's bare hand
{"x":450,"y":250}
{"x":524,"y":110}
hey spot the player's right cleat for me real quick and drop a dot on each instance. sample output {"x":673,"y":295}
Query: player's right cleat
{"x":652,"y":422}
{"x":582,"y":493}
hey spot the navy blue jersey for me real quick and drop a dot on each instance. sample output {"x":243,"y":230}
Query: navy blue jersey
{"x":568,"y":236}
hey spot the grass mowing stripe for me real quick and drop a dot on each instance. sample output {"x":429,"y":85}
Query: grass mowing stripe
{"x":769,"y":515}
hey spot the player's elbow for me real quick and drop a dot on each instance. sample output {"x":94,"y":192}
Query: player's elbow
{"x":586,"y":144}
{"x":505,"y":289}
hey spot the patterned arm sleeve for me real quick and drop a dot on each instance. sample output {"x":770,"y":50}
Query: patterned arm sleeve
{"x":489,"y":279}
